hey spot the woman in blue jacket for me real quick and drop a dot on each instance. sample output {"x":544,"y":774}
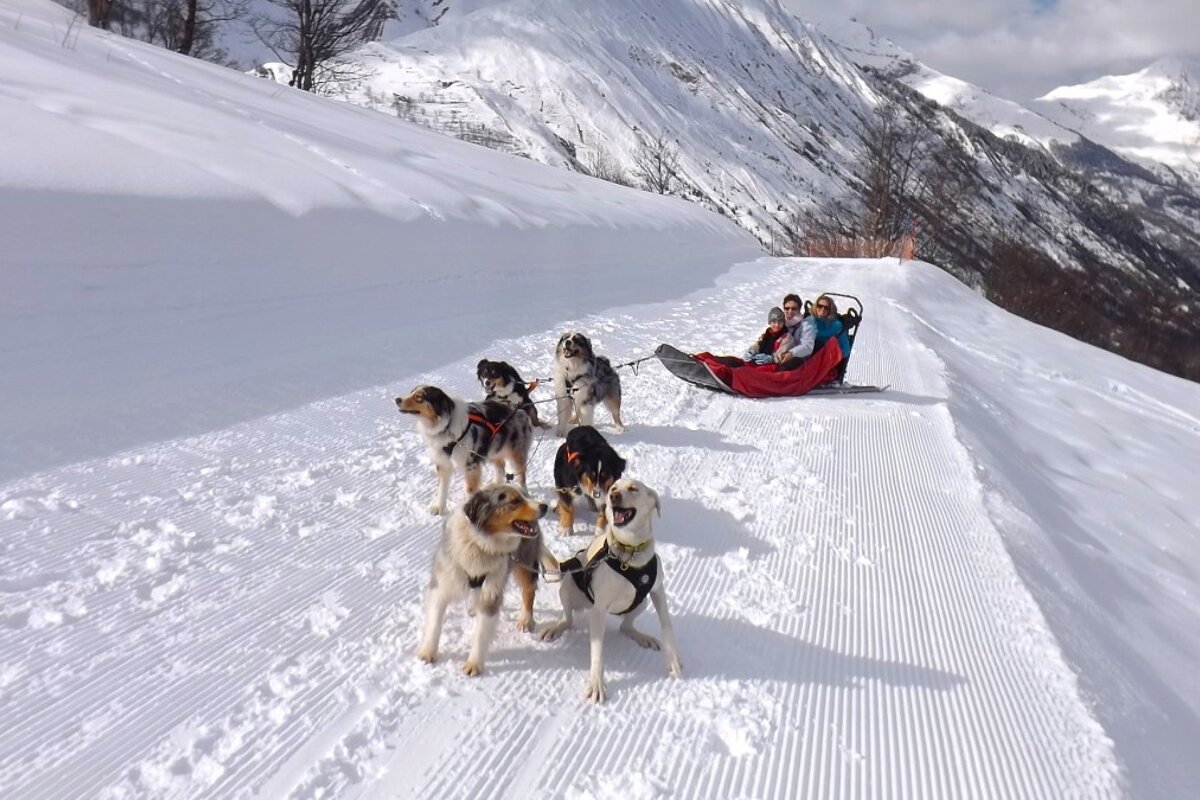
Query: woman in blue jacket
{"x":828,"y":326}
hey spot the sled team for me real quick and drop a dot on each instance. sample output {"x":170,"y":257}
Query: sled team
{"x":496,"y":530}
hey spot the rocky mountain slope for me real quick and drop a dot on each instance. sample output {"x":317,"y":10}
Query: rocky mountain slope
{"x":768,"y":121}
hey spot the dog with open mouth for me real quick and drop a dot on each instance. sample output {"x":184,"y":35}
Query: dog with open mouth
{"x":495,"y":528}
{"x":615,"y":575}
{"x":583,"y":380}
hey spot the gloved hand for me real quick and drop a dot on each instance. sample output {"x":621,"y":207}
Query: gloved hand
{"x":747,"y":356}
{"x":762,"y":358}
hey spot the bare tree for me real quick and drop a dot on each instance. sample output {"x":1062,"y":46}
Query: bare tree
{"x":601,"y":163}
{"x":905,"y":173}
{"x":99,"y":13}
{"x":310,"y":33}
{"x":186,"y":26}
{"x":656,"y":164}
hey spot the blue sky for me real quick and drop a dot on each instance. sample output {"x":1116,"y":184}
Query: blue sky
{"x":1021,"y":50}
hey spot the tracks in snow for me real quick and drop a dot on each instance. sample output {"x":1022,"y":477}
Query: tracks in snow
{"x":236,"y":614}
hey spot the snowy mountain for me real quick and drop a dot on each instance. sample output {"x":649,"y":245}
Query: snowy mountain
{"x":213,"y":538}
{"x":767,"y":115}
{"x":1006,"y":119}
{"x":1152,"y":115}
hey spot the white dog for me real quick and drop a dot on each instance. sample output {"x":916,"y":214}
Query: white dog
{"x":614,"y":576}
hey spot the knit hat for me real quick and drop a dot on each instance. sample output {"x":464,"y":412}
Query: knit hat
{"x":775,"y":315}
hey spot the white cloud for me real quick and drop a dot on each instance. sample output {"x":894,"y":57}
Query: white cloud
{"x":1023,"y":52}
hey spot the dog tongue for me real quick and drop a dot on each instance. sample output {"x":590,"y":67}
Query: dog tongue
{"x":622,"y":515}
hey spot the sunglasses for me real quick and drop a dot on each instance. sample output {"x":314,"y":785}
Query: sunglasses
{"x":824,"y":306}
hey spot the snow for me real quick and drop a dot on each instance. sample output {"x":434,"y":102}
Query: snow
{"x":1152,"y":115}
{"x":213,"y":538}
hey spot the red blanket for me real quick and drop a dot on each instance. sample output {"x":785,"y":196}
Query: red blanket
{"x":753,"y":380}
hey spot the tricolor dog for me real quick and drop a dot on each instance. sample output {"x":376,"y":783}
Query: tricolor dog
{"x":479,"y":545}
{"x":583,"y":380}
{"x":501,"y":381}
{"x":585,"y":466}
{"x":463,"y":435}
{"x":615,"y":575}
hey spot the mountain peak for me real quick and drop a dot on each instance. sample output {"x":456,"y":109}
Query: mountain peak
{"x":1178,"y":69}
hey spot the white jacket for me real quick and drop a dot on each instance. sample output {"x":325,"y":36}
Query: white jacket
{"x":803,"y":336}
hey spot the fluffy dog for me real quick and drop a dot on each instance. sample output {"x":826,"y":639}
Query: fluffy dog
{"x":479,"y":543}
{"x":502,"y":382}
{"x":585,"y":466}
{"x":614,"y":576}
{"x":463,"y":435}
{"x":582,"y":380}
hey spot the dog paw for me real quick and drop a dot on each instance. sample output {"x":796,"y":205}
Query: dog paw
{"x":525,"y":624}
{"x":427,"y":654}
{"x":674,"y":668}
{"x":552,"y":632}
{"x":596,"y":691}
{"x":436,"y":509}
{"x":648,"y":642}
{"x":620,"y":428}
{"x":472,"y":670}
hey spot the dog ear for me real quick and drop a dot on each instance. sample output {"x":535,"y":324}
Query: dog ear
{"x":657,"y":503}
{"x":619,"y":463}
{"x":478,"y":507}
{"x":479,"y":367}
{"x":587,"y":346}
{"x":438,"y":400}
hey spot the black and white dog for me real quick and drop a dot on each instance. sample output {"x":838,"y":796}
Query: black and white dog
{"x":502,"y":382}
{"x":583,"y":380}
{"x":463,"y":435}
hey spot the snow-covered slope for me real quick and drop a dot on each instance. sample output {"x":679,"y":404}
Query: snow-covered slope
{"x":732,"y":84}
{"x":866,"y":48}
{"x":1152,"y":115}
{"x":132,"y":173}
{"x":769,"y":117}
{"x":978,"y":583}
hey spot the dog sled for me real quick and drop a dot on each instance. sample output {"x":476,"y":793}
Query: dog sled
{"x":822,"y":374}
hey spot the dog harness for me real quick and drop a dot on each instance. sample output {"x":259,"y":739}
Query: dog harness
{"x":641,"y":578}
{"x":478,"y":419}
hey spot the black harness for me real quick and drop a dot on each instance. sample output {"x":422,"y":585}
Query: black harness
{"x":641,"y":578}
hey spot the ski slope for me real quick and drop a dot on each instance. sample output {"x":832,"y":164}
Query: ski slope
{"x":854,"y":582}
{"x":213,"y":538}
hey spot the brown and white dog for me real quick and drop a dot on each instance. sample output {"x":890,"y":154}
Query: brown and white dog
{"x":479,"y":544}
{"x":583,"y":380}
{"x":614,"y":575}
{"x":463,"y":435}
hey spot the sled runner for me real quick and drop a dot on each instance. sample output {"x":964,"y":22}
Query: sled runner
{"x":821,"y":374}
